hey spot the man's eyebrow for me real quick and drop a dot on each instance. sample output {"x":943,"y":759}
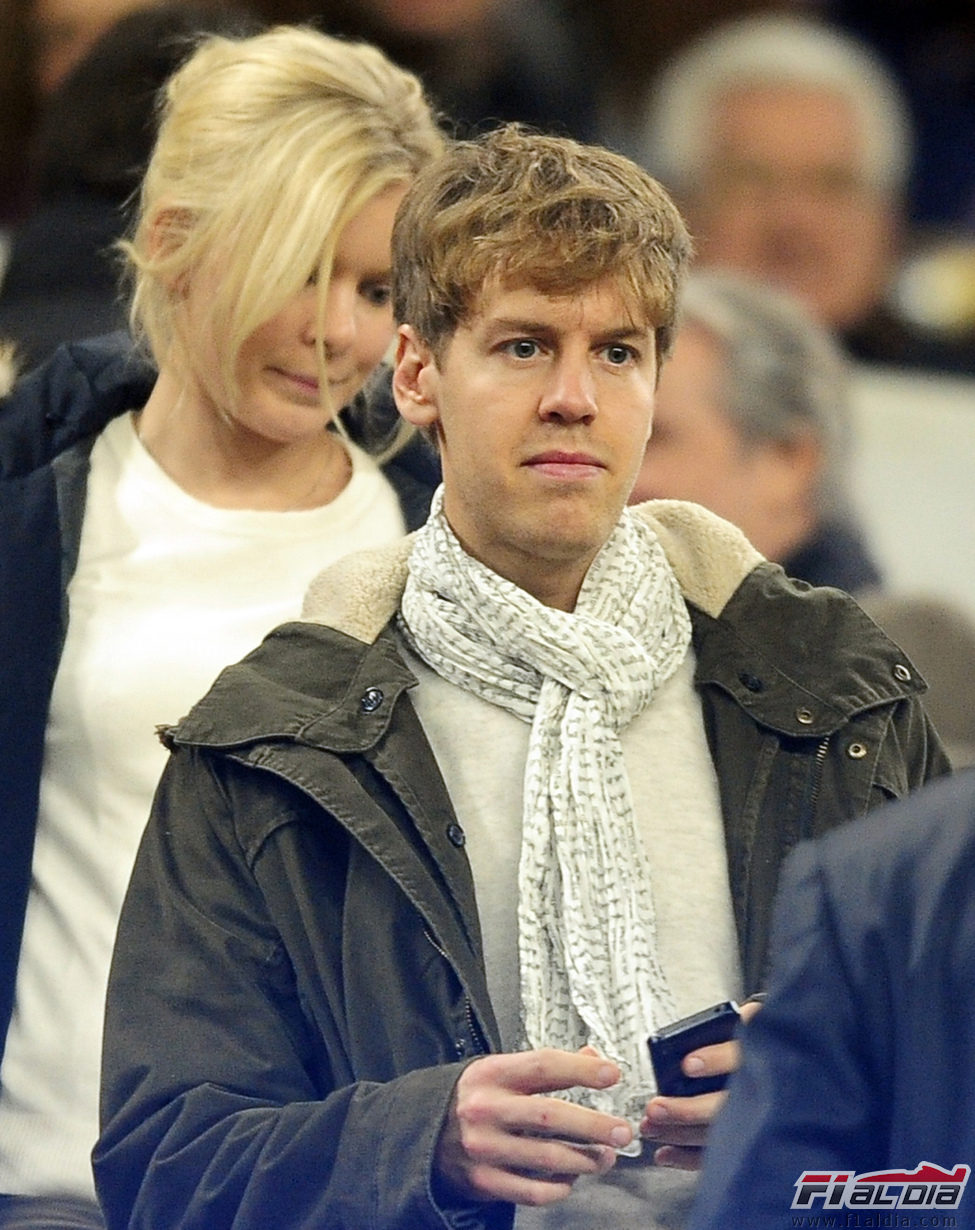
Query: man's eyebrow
{"x":625,"y":332}
{"x":516,"y":324}
{"x":513,"y":324}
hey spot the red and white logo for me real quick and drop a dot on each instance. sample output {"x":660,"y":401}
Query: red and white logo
{"x":926,"y":1187}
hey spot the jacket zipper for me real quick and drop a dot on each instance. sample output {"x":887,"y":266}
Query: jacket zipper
{"x":817,"y":781}
{"x":473,"y":1028}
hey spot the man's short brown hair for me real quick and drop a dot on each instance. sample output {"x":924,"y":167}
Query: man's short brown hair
{"x":538,"y":211}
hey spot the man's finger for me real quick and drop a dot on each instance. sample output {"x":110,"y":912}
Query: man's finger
{"x":549,"y":1070}
{"x":667,"y":1116}
{"x":678,"y":1158}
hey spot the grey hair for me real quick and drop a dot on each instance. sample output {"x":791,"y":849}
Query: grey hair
{"x":765,"y":50}
{"x":784,"y":373}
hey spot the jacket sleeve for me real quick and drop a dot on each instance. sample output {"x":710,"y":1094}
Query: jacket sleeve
{"x":805,"y":1097}
{"x":218,"y":1106}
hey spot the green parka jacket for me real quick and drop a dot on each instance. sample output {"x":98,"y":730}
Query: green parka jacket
{"x":298,"y":977}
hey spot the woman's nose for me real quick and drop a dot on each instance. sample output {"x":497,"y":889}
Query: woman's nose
{"x":339,"y":320}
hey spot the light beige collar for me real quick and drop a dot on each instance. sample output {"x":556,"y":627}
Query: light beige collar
{"x":710,"y":557}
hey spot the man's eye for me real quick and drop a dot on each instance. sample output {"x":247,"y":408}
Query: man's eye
{"x":523,"y":348}
{"x":618,"y":355}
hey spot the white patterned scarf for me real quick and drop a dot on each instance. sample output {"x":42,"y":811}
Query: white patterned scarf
{"x":587,"y":936}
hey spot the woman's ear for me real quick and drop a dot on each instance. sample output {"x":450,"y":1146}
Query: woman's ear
{"x":167,"y":232}
{"x":415,"y":379}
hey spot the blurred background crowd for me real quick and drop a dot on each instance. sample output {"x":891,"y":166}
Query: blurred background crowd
{"x":825,"y":148}
{"x":873,"y":141}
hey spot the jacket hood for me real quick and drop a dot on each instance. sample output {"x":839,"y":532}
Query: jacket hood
{"x":710,"y":557}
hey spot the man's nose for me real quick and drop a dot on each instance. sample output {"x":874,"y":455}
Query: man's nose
{"x":570,"y":392}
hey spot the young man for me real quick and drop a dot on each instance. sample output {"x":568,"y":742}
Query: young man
{"x":509,"y":797}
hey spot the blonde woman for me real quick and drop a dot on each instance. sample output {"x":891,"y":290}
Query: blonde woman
{"x":157,"y":518}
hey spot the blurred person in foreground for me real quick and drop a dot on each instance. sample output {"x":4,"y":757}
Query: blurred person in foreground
{"x":158,"y":516}
{"x":510,"y":795}
{"x":788,"y":145}
{"x":858,"y":1072}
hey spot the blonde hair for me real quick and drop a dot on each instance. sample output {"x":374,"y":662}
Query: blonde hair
{"x":267,"y":147}
{"x":538,"y":211}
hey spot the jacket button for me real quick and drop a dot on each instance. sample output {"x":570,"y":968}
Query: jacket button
{"x":166,"y":735}
{"x":460,"y":1048}
{"x":856,"y":751}
{"x":456,"y":835}
{"x":372,"y":698}
{"x":751,"y":682}
{"x":901,"y":673}
{"x":804,"y":716}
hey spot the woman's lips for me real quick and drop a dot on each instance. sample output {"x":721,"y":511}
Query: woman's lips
{"x":306,"y":385}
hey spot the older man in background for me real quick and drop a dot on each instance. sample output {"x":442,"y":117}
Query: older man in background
{"x":788,"y":145}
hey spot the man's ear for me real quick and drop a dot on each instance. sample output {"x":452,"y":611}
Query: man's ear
{"x":415,"y":379}
{"x":798,"y":463}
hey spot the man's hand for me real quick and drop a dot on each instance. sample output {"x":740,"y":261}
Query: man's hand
{"x":501,"y":1142}
{"x":680,"y":1125}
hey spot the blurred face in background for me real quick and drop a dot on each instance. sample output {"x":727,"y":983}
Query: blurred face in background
{"x":697,"y":453}
{"x":783,"y":198}
{"x":65,"y":30}
{"x":430,"y":18}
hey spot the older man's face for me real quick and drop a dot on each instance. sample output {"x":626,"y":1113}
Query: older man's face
{"x":697,"y":453}
{"x":783,"y":198}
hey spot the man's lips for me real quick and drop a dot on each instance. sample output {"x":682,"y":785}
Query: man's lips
{"x":557,"y":463}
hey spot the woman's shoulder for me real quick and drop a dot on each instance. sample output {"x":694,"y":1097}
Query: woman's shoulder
{"x":69,"y":397}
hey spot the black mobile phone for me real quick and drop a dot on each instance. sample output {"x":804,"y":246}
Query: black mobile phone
{"x":669,"y":1046}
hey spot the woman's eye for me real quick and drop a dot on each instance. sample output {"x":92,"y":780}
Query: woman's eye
{"x":378,"y":294}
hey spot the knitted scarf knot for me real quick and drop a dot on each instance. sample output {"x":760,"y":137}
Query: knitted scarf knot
{"x":587,"y":938}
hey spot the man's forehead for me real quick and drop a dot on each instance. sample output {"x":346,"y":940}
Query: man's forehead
{"x":607,"y":303}
{"x":786,"y":118}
